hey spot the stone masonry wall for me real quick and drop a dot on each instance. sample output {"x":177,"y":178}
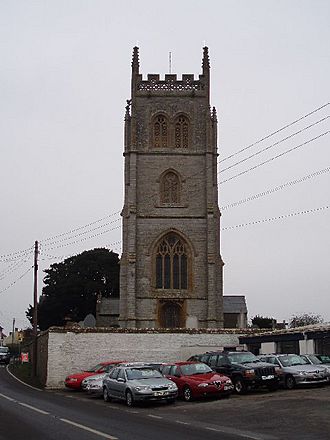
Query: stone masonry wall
{"x":70,"y":351}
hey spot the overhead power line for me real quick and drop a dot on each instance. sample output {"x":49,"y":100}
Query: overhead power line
{"x":274,"y":157}
{"x":80,"y":234}
{"x":277,"y":188}
{"x":274,"y":132}
{"x":13,"y":268}
{"x":14,"y":282}
{"x":14,"y":255}
{"x":84,"y":239}
{"x":272,"y":219}
{"x":82,"y":227}
{"x":273,"y":145}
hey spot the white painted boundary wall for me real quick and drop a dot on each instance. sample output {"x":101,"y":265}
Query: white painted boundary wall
{"x":70,"y":352}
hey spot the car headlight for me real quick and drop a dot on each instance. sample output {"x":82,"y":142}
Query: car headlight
{"x":142,"y":388}
{"x":172,"y":386}
{"x":303,"y":373}
{"x":203,"y":385}
{"x":71,"y":379}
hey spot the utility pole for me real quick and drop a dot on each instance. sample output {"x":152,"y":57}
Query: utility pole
{"x":35,"y":308}
{"x":13,"y":334}
{"x":35,"y":290}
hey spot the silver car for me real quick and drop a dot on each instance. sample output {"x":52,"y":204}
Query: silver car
{"x":297,"y":371}
{"x":94,"y":384}
{"x":133,"y":383}
{"x":314,"y":359}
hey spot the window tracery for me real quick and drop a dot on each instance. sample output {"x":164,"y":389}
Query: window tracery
{"x":181,"y":132}
{"x":160,"y":132}
{"x":170,"y":188}
{"x":172,"y":263}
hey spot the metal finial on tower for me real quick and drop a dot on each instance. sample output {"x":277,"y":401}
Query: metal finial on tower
{"x":135,"y":59}
{"x":206,"y":60}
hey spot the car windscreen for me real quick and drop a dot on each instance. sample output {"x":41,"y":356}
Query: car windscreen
{"x":325,"y":359}
{"x":314,"y":359}
{"x":242,"y":358}
{"x":142,"y":373}
{"x":292,"y":360}
{"x":94,"y":369}
{"x":191,"y":369}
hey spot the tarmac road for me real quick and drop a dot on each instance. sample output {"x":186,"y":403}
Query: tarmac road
{"x":26,"y":413}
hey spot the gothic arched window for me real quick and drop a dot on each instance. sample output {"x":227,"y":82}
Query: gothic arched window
{"x":181,"y":132}
{"x":172,"y":263}
{"x":160,"y":132}
{"x":170,"y":188}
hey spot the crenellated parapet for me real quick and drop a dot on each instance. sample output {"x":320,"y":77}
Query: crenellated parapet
{"x":153,"y":84}
{"x":170,"y":83}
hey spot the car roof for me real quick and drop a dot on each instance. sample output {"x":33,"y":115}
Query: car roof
{"x":110,"y":362}
{"x":183,"y":363}
{"x":136,"y":365}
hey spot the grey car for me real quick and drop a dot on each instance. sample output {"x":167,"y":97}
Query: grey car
{"x":314,"y":359}
{"x":94,"y":384}
{"x":297,"y":371}
{"x":133,"y":383}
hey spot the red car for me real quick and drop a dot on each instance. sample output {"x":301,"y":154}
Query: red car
{"x":74,"y":380}
{"x":196,"y":379}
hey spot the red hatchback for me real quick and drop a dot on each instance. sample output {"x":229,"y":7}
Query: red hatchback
{"x":196,"y":379}
{"x":74,"y":380}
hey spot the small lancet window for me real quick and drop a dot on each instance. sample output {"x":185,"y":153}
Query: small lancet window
{"x":160,"y":133}
{"x":181,"y":132}
{"x":170,"y":188}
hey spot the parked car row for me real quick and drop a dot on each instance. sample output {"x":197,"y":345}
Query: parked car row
{"x":215,"y":374}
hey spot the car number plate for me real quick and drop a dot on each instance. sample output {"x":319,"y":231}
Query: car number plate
{"x":270,"y":376}
{"x":160,"y":393}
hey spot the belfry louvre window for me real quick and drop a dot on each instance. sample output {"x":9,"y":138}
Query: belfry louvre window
{"x":181,"y":132}
{"x":171,"y":263}
{"x":160,"y":132}
{"x":170,"y":188}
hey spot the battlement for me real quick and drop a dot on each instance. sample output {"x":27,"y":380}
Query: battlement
{"x":170,"y":83}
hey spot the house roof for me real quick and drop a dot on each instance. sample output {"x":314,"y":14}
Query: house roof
{"x":234,"y":304}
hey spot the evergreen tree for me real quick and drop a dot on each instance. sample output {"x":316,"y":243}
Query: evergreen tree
{"x":72,"y":287}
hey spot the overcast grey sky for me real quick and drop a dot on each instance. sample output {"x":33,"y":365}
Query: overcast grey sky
{"x":64,"y":79}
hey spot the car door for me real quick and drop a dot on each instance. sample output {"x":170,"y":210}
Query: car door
{"x":224,"y":365}
{"x":213,"y":362}
{"x":176,"y":377}
{"x":120,"y":384}
{"x":110,"y":382}
{"x":172,"y":373}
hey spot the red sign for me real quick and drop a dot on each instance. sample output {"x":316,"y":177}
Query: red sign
{"x":25,"y":357}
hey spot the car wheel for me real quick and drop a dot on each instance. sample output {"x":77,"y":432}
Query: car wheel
{"x":290,"y":383}
{"x":239,"y":385}
{"x":129,"y":398}
{"x":187,"y":394}
{"x":106,"y":396}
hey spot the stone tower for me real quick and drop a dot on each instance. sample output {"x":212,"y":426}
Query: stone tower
{"x":171,"y":268}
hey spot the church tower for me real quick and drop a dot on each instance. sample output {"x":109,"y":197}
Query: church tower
{"x":171,"y":268}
